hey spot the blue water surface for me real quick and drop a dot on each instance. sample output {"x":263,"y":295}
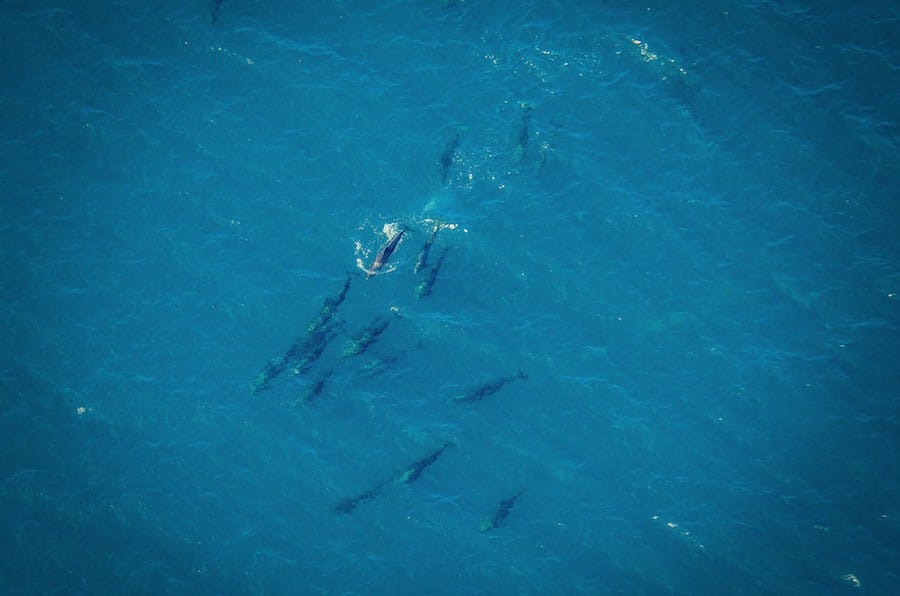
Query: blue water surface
{"x":677,"y":220}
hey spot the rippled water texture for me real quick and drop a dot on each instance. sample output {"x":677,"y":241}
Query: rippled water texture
{"x":449,"y":297}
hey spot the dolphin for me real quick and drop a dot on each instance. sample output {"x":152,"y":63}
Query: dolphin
{"x":217,"y":5}
{"x":314,"y":390}
{"x":447,"y":157}
{"x":378,"y":365}
{"x":424,"y":288}
{"x":329,"y":308}
{"x":313,"y":346}
{"x":422,"y":260}
{"x":501,"y":513}
{"x":523,"y":132}
{"x":415,"y":471}
{"x":385,"y":253}
{"x":366,"y":337}
{"x":410,"y":475}
{"x":348,"y":505}
{"x":488,"y":388}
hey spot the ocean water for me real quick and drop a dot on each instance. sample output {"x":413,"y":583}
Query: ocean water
{"x":678,"y":221}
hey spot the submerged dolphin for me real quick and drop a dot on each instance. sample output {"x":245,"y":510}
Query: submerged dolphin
{"x":366,"y":337}
{"x":523,"y":131}
{"x":217,"y":5}
{"x":348,"y":505}
{"x":315,"y":390}
{"x":424,"y":288}
{"x":329,"y":308}
{"x":413,"y":473}
{"x":501,"y":513}
{"x":410,"y":475}
{"x":447,"y":158}
{"x":489,"y":388}
{"x":422,"y":259}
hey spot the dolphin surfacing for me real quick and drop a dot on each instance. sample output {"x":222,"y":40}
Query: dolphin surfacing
{"x":385,"y":253}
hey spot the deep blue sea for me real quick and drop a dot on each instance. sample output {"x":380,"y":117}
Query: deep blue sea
{"x":653,"y":348}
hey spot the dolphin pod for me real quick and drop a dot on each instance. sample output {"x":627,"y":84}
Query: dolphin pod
{"x":306,"y":350}
{"x":354,"y":347}
{"x":323,"y":327}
